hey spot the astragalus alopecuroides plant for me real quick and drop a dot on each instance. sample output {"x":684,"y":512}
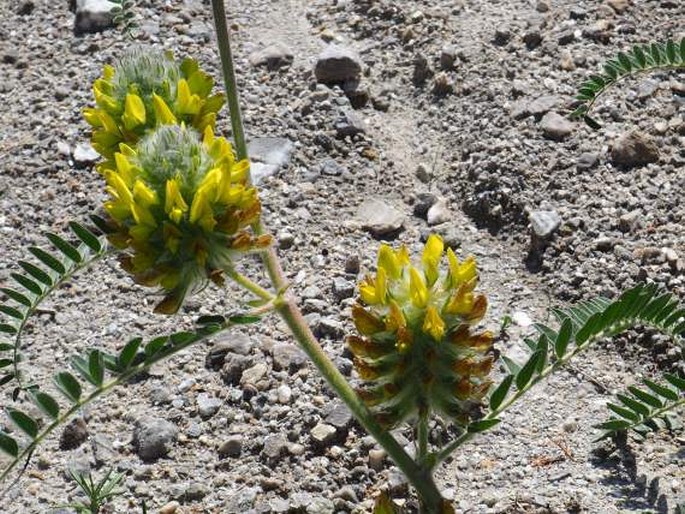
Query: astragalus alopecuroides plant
{"x":181,"y":214}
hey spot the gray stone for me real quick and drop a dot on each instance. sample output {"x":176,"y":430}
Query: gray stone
{"x":423,"y":173}
{"x":73,"y":435}
{"x":377,"y":459}
{"x":323,"y":433}
{"x":153,"y":437}
{"x":448,"y":56}
{"x":629,"y":221}
{"x":207,"y":406}
{"x":342,"y":288}
{"x":270,"y":150}
{"x":544,"y":223}
{"x":337,"y":64}
{"x":253,"y":375}
{"x":543,"y":105}
{"x":233,"y":367}
{"x":502,"y":36}
{"x":228,"y":343}
{"x":231,"y":447}
{"x":555,"y":126}
{"x":259,"y":171}
{"x":332,"y":168}
{"x":438,"y":213}
{"x":274,"y":447}
{"x":339,"y":416}
{"x":93,"y":16}
{"x":241,"y":502}
{"x":84,"y":155}
{"x":273,"y":56}
{"x":195,"y":492}
{"x":288,"y":357}
{"x":352,"y":265}
{"x":379,"y":218}
{"x":634,"y":149}
{"x":532,"y":39}
{"x":424,"y":201}
{"x":320,"y":505}
{"x":284,"y":394}
{"x":350,"y":124}
{"x":587,"y":161}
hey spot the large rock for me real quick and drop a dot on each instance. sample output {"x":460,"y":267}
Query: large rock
{"x":268,"y":155}
{"x":93,"y":16}
{"x":380,"y":218}
{"x":634,"y":149}
{"x":337,"y":64}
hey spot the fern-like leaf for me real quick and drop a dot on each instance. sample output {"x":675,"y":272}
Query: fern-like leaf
{"x":641,"y":59}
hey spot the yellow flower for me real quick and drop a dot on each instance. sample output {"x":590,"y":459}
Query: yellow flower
{"x":142,"y":91}
{"x":182,"y":214}
{"x":417,"y":349}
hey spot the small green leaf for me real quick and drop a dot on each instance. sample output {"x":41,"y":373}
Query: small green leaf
{"x":639,"y":55}
{"x":543,"y":348}
{"x":244,"y":320}
{"x":500,"y":393}
{"x":65,"y":247}
{"x":36,"y":273}
{"x":16,"y":296}
{"x":482,"y":425}
{"x":49,"y":260}
{"x":590,"y":122}
{"x":8,"y":445}
{"x":211,"y":320}
{"x":155,"y":346}
{"x":6,"y":379}
{"x":25,"y":422}
{"x":662,"y":391}
{"x":511,"y":365}
{"x":563,"y":339}
{"x":523,"y":377}
{"x":128,"y":353}
{"x":47,"y":404}
{"x":4,"y":347}
{"x":655,"y":52}
{"x":8,"y":329}
{"x":682,"y":59}
{"x":588,"y":330}
{"x":611,"y":71}
{"x":633,"y":405}
{"x":671,"y":51}
{"x":27,"y":283}
{"x":86,"y":236}
{"x":11,"y":311}
{"x":624,"y":413}
{"x":182,"y":338}
{"x":69,"y":386}
{"x":545,"y":330}
{"x":614,"y":424}
{"x":645,"y":397}
{"x":675,"y":381}
{"x":6,"y":362}
{"x":626,"y":64}
{"x":96,"y":368}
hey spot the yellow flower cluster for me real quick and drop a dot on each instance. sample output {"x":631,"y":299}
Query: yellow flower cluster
{"x":183,"y":208}
{"x":417,"y":352}
{"x":143,"y":91}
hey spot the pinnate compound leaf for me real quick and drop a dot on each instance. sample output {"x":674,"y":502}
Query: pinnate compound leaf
{"x":500,"y":393}
{"x":645,"y":397}
{"x":675,"y":381}
{"x":65,"y":247}
{"x":482,"y":425}
{"x":86,"y":236}
{"x":69,"y":386}
{"x":47,"y":404}
{"x":664,"y":392}
{"x":48,"y":259}
{"x":26,"y":423}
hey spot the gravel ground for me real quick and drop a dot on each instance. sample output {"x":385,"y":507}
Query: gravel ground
{"x":453,"y":126}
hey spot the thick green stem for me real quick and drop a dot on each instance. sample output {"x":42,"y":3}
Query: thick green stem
{"x":228,"y":70}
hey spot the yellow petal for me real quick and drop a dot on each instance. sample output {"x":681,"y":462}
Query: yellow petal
{"x":174,"y":204}
{"x":134,"y":112}
{"x":461,"y":303}
{"x":108,"y":72}
{"x":163,"y":114}
{"x":417,"y":288}
{"x":395,"y":318}
{"x":119,"y":187}
{"x":186,"y":102}
{"x":433,"y":324}
{"x":432,"y":254}
{"x":201,"y":211}
{"x":91,"y":116}
{"x":125,"y":169}
{"x":381,"y":285}
{"x":365,"y":322}
{"x":367,"y":291}
{"x":143,"y":195}
{"x":389,"y":262}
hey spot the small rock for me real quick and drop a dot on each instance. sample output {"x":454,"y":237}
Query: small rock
{"x":10,"y":56}
{"x":555,"y":126}
{"x":544,"y":223}
{"x":93,"y":16}
{"x":231,"y":447}
{"x":284,"y":394}
{"x":587,"y":161}
{"x":605,"y":244}
{"x":566,"y":37}
{"x":84,"y":155}
{"x":170,"y":508}
{"x":288,"y":357}
{"x":350,"y":124}
{"x":532,"y":39}
{"x":352,"y":265}
{"x":337,"y":64}
{"x":153,"y":438}
{"x":195,"y":492}
{"x":253,"y":375}
{"x":339,"y":416}
{"x":438,"y":213}
{"x":73,"y":435}
{"x":421,"y":71}
{"x":207,"y":406}
{"x":25,"y":8}
{"x":228,"y":342}
{"x":342,"y":289}
{"x":376,"y":459}
{"x":422,"y":173}
{"x":273,"y":56}
{"x":323,"y":433}
{"x":634,"y":149}
{"x":270,"y":150}
{"x":629,"y":221}
{"x":502,"y":37}
{"x":618,"y":5}
{"x":448,"y":56}
{"x":275,"y":446}
{"x":379,"y":218}
{"x":543,"y":105}
{"x":332,"y":168}
{"x":233,"y":367}
{"x":424,"y":201}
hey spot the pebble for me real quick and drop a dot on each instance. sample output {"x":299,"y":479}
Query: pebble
{"x":379,"y":218}
{"x":207,"y":406}
{"x":273,"y":56}
{"x":74,"y":434}
{"x":438,"y":213}
{"x":284,"y":394}
{"x":252,"y":376}
{"x":423,"y":173}
{"x":170,"y":508}
{"x":555,"y":126}
{"x":231,"y":447}
{"x":288,"y":357}
{"x":544,"y":223}
{"x":337,"y":64}
{"x":448,"y":56}
{"x":93,"y":16}
{"x":323,"y":433}
{"x":84,"y":155}
{"x":349,"y":124}
{"x":342,"y":289}
{"x":634,"y":149}
{"x":274,"y":447}
{"x":587,"y":160}
{"x":339,"y":416}
{"x":377,"y":459}
{"x":153,"y":437}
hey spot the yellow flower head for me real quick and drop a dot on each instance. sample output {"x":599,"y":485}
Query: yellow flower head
{"x":416,"y":348}
{"x":144,"y":90}
{"x":181,"y":207}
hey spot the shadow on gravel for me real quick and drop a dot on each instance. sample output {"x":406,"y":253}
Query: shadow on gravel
{"x":634,"y":491}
